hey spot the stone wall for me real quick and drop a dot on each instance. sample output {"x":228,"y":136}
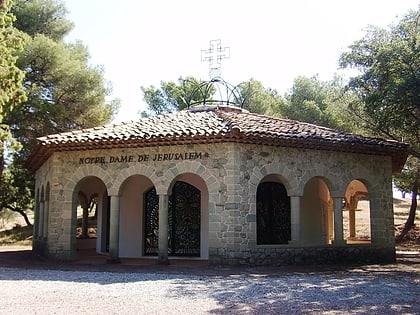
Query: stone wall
{"x":232,"y":173}
{"x":305,"y":255}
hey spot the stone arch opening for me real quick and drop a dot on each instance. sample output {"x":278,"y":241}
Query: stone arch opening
{"x":356,"y":217}
{"x":133,"y":205}
{"x":273,"y":211}
{"x":187,"y":216}
{"x":90,"y":215}
{"x":317,"y":212}
{"x":184,"y":221}
{"x":193,"y":199}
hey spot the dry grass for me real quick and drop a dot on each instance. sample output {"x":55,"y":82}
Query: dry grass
{"x":16,"y":236}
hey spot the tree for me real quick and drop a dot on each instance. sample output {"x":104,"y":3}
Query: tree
{"x":45,"y":17}
{"x":388,"y":87}
{"x":408,"y":181}
{"x":175,"y":96}
{"x":258,"y":99}
{"x":63,"y":92}
{"x":11,"y":77}
{"x":319,"y":102}
{"x":171,"y":96}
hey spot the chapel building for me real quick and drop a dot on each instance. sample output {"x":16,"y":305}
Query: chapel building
{"x":218,"y":184}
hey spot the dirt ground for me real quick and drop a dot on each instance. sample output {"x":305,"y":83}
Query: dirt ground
{"x":401,"y":208}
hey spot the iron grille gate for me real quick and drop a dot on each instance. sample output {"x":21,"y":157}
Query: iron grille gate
{"x":273,"y":214}
{"x":184,"y":207}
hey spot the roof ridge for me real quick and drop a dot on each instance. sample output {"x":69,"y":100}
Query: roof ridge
{"x":211,"y":125}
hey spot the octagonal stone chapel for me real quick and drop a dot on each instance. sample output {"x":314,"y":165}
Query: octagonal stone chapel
{"x":218,"y":184}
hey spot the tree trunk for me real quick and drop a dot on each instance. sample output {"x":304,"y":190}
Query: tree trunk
{"x":412,"y":215}
{"x":22,"y":213}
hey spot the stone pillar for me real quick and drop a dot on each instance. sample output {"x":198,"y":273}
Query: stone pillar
{"x":36,"y":218}
{"x":352,"y":221}
{"x":41,"y":220}
{"x":338,"y":221}
{"x":46,"y":218}
{"x":114,"y":229}
{"x":163,"y":230}
{"x":295,"y":219}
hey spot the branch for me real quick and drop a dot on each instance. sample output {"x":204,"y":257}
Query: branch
{"x":21,"y":212}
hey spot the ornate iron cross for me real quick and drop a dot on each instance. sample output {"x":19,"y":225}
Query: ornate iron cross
{"x":214,"y":56}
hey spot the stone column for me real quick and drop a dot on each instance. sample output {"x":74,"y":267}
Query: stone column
{"x":46,"y":218}
{"x":114,"y":229}
{"x":163,"y":230}
{"x":36,"y":219}
{"x":295,"y":219}
{"x":352,"y":221}
{"x":338,"y":221}
{"x":41,"y":220}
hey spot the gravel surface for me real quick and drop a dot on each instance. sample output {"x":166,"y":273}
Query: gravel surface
{"x":361,"y":290}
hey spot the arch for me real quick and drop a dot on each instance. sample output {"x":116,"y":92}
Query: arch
{"x":332,"y":185}
{"x":317,"y":212}
{"x":278,"y":172}
{"x":85,"y":172}
{"x":133,"y":170}
{"x":88,"y":191}
{"x":356,"y":218}
{"x":132,"y":192}
{"x":193,"y":168}
{"x":199,"y":183}
{"x":273,"y":212}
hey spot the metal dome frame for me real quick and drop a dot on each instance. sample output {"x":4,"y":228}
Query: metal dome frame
{"x":225,"y":94}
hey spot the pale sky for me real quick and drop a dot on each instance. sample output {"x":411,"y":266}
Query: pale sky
{"x":143,"y":42}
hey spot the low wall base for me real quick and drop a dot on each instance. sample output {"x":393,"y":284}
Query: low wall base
{"x":306,"y":256}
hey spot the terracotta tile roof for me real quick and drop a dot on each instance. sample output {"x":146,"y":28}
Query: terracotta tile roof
{"x":210,"y":125}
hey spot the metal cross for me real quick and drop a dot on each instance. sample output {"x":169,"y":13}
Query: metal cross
{"x":214,"y":56}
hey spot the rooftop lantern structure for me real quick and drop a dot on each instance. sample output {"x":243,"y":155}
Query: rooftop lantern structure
{"x":216,"y":91}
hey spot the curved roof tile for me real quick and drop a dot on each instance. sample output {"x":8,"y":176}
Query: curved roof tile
{"x":215,"y":124}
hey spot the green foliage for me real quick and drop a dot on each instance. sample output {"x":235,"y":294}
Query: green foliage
{"x":258,"y":99}
{"x":15,"y":189}
{"x":388,"y":87}
{"x":388,"y":84}
{"x":11,"y":77}
{"x":173,"y":96}
{"x":409,"y":175}
{"x":45,"y":17}
{"x":63,"y":92}
{"x":318,"y":102}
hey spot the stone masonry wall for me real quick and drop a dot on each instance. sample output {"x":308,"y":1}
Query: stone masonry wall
{"x":295,"y":167}
{"x":232,"y":173}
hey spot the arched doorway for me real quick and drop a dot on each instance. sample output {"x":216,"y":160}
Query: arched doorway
{"x":356,"y":218}
{"x":273,"y":214}
{"x":91,"y":215}
{"x":317,"y":213}
{"x":133,"y":192}
{"x":184,"y":221}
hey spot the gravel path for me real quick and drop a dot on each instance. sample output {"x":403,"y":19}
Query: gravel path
{"x":367,"y":290}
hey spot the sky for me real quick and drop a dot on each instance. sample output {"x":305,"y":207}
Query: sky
{"x":140,"y":43}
